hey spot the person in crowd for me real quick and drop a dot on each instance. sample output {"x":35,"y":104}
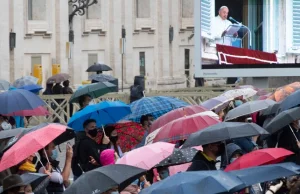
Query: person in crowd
{"x":66,"y":89}
{"x":57,"y":89}
{"x":145,"y":122}
{"x":108,"y":157}
{"x":136,"y":91}
{"x":113,"y":136}
{"x":13,"y":184}
{"x":4,"y":123}
{"x":207,"y":159}
{"x":221,"y":114}
{"x":84,"y":101}
{"x":48,"y":90}
{"x":59,"y":179}
{"x":87,"y":153}
{"x":150,"y":119}
{"x":27,"y":166}
{"x":232,"y":153}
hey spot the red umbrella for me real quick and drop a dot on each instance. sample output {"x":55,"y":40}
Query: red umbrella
{"x":39,"y":111}
{"x":30,"y":144}
{"x":259,"y":158}
{"x":130,"y":134}
{"x":176,"y":114}
{"x":181,"y":129}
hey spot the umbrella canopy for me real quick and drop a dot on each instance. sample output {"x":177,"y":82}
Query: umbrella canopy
{"x":34,"y":88}
{"x":179,"y":156}
{"x":260,"y":92}
{"x":152,"y":105}
{"x":244,"y":92}
{"x":26,"y":80}
{"x":104,"y":113}
{"x":102,"y":179}
{"x":217,"y":103}
{"x":39,"y":111}
{"x":248,"y":108}
{"x":101,"y":78}
{"x":18,"y":100}
{"x":283,"y":119}
{"x":251,"y":176}
{"x":208,"y":182}
{"x":7,"y":135}
{"x":290,"y":102}
{"x":94,"y":90}
{"x":283,"y":92}
{"x":271,"y":110}
{"x":222,"y":132}
{"x":148,"y":156}
{"x":29,"y":144}
{"x":176,"y":114}
{"x":181,"y":128}
{"x":4,"y":85}
{"x":259,"y":158}
{"x":58,"y":78}
{"x":98,"y":67}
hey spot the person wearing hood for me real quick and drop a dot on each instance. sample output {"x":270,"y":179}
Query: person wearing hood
{"x":108,"y":157}
{"x":232,"y":153}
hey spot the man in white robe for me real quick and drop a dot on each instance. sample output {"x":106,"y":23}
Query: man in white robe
{"x":219,"y":27}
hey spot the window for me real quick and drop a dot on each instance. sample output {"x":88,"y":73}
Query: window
{"x":94,"y":11}
{"x":142,"y":64}
{"x":187,"y":8}
{"x":143,"y":8}
{"x":92,"y":59}
{"x":35,"y":60}
{"x":37,"y":10}
{"x":296,"y":24}
{"x":206,"y":8}
{"x":187,"y":65}
{"x":258,"y":29}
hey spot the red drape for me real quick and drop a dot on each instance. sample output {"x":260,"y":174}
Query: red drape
{"x":233,"y":55}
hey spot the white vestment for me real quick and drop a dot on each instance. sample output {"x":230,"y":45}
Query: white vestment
{"x":218,"y":27}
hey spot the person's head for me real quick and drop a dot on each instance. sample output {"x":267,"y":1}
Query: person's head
{"x":13,"y":184}
{"x":28,"y":189}
{"x":150,"y":119}
{"x":107,"y":157}
{"x":114,"y":136}
{"x":84,"y":100}
{"x":144,"y":121}
{"x":50,"y":150}
{"x":163,"y":172}
{"x":223,"y":12}
{"x":214,"y":150}
{"x":49,"y":86}
{"x":90,"y":128}
{"x":66,"y":83}
{"x":235,"y":156}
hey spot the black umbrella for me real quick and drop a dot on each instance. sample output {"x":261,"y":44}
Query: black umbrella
{"x":248,"y":108}
{"x":102,"y":179}
{"x":98,"y":67}
{"x":7,"y":136}
{"x":283,"y":119}
{"x":271,"y":110}
{"x":101,"y":78}
{"x":179,"y":156}
{"x":222,"y":132}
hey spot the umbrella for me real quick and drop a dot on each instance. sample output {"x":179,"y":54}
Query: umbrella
{"x":248,"y":108}
{"x":260,"y":92}
{"x":5,"y":137}
{"x":104,"y":113}
{"x":271,"y":110}
{"x":101,"y":78}
{"x":208,"y":182}
{"x":176,"y":114}
{"x":222,"y":132}
{"x":102,"y":179}
{"x":217,"y":103}
{"x":283,"y":119}
{"x":251,"y":176}
{"x":179,"y":156}
{"x":181,"y":128}
{"x":290,"y":102}
{"x":283,"y":92}
{"x":245,"y":93}
{"x":259,"y":158}
{"x":4,"y":85}
{"x":130,"y":134}
{"x":29,"y":144}
{"x":152,"y":105}
{"x":18,"y":100}
{"x":94,"y":90}
{"x":39,"y":111}
{"x":26,"y":80}
{"x":148,"y":156}
{"x":98,"y":67}
{"x":34,"y":88}
{"x":58,"y":78}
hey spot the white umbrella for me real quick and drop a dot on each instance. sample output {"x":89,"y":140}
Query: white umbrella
{"x":245,"y":92}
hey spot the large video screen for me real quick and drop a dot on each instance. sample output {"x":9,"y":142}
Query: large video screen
{"x":235,"y":38}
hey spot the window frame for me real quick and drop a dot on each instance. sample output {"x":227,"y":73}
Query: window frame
{"x":289,"y":25}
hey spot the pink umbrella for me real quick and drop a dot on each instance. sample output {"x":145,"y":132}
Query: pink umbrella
{"x":148,"y":156}
{"x":39,"y":111}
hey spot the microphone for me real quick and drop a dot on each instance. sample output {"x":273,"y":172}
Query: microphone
{"x":233,"y":20}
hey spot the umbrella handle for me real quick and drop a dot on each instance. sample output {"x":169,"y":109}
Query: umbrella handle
{"x":46,"y":155}
{"x":294,"y":133}
{"x":103,"y":130}
{"x":38,"y":158}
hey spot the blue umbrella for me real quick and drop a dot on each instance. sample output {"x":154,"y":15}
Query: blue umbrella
{"x":290,"y":102}
{"x":26,"y":80}
{"x":260,"y":174}
{"x":208,"y":182}
{"x":18,"y":100}
{"x":156,"y":106}
{"x":34,"y":88}
{"x":4,"y":85}
{"x":104,"y":113}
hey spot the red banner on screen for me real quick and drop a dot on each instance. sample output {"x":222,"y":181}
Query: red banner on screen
{"x":232,"y":55}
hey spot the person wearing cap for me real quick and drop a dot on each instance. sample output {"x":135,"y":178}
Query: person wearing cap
{"x":108,"y":157}
{"x":13,"y":184}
